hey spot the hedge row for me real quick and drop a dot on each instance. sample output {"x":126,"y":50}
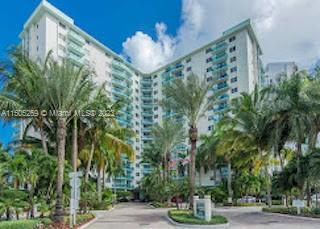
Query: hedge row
{"x":307,"y":212}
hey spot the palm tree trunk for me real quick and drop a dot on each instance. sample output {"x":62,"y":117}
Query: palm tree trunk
{"x":61,"y":143}
{"x":43,"y":141}
{"x":267,"y":175}
{"x":299,"y":180}
{"x":74,"y":145}
{"x":99,"y":185}
{"x":193,"y":135}
{"x":230,"y":191}
{"x":86,"y":177}
{"x":165,"y":169}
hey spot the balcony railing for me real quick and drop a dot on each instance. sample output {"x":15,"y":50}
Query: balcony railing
{"x":76,"y":38}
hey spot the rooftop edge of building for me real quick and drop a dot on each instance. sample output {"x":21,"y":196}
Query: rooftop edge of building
{"x":46,"y":7}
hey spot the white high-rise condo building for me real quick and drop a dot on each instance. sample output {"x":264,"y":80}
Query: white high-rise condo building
{"x":277,"y":71}
{"x":233,"y":59}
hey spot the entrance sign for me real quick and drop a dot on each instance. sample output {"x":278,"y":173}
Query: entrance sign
{"x":202,"y":208}
{"x":298,"y":204}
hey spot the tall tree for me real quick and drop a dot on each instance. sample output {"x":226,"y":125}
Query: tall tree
{"x":191,"y":98}
{"x":65,"y":87}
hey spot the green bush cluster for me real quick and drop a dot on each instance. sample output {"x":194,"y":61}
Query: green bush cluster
{"x":81,"y":218}
{"x":186,"y":216}
{"x":25,"y":224}
{"x":250,"y":204}
{"x":307,"y":212}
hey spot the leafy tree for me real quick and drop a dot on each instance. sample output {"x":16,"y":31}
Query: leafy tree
{"x":191,"y":98}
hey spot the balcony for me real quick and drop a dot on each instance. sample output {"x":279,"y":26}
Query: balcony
{"x":73,"y":36}
{"x":147,"y":114}
{"x":147,"y":122}
{"x":119,"y":83}
{"x":147,"y":138}
{"x":220,"y":68}
{"x":75,"y":49}
{"x":219,"y":47}
{"x":75,"y":59}
{"x":219,"y":58}
{"x":147,"y":106}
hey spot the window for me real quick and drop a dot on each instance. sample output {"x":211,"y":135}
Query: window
{"x":137,"y":115}
{"x":37,"y":48}
{"x":209,"y":79}
{"x":137,"y":107}
{"x":232,"y":49}
{"x":209,"y":59}
{"x":137,"y":174}
{"x":210,"y":127}
{"x":209,"y":69}
{"x":232,"y":38}
{"x":138,"y":157}
{"x":37,"y":26}
{"x":137,"y":165}
{"x":37,"y":37}
{"x":137,"y":90}
{"x":155,"y":108}
{"x":234,"y":90}
{"x":137,"y":99}
{"x":233,"y":59}
{"x":137,"y":131}
{"x":156,"y":116}
{"x":137,"y":148}
{"x":188,"y":60}
{"x":235,"y":79}
{"x":155,"y":84}
{"x":189,"y":69}
{"x":155,"y":92}
{"x":137,"y":123}
{"x":233,"y":69}
{"x":62,"y":25}
{"x":155,"y":76}
{"x":208,"y":50}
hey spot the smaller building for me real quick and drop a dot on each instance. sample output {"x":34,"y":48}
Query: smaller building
{"x":277,"y":71}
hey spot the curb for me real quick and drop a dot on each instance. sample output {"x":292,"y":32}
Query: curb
{"x":293,"y":216}
{"x":88,"y":223}
{"x":93,"y":220}
{"x":184,"y":225}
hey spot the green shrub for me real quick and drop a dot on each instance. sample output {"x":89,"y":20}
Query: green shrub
{"x":81,"y":218}
{"x":25,"y":224}
{"x":307,"y":212}
{"x":218,"y":195}
{"x":277,"y":202}
{"x":186,"y":216}
{"x":250,"y":204}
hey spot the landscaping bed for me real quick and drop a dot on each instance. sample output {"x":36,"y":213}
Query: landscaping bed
{"x":306,"y":212}
{"x":25,"y":224}
{"x":186,"y":216}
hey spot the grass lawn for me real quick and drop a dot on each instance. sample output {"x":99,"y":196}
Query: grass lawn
{"x":25,"y":223}
{"x":186,"y":216}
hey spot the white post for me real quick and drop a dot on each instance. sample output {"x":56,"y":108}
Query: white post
{"x":207,"y":205}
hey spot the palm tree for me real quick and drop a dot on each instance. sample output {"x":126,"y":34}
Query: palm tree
{"x":168,"y":135}
{"x":111,"y":145}
{"x":253,"y":121}
{"x":65,"y":88}
{"x":293,"y":102}
{"x":191,"y":98}
{"x":23,"y":90}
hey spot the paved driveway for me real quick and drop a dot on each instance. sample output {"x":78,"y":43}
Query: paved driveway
{"x":138,"y":215}
{"x":253,"y":218}
{"x":132,"y":216}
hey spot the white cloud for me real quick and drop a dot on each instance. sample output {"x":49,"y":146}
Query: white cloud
{"x":287,"y":30}
{"x":147,"y":54}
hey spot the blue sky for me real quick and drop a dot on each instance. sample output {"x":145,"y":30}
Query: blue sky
{"x":111,"y":22}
